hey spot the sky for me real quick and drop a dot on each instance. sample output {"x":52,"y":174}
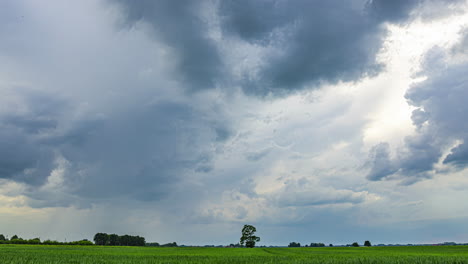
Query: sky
{"x":315,"y":121}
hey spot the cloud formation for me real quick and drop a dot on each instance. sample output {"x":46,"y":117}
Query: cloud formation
{"x":299,"y":53}
{"x":25,"y":154}
{"x":439,"y":106}
{"x":91,"y":130}
{"x":311,"y":42}
{"x":144,"y":143}
{"x":181,"y":26}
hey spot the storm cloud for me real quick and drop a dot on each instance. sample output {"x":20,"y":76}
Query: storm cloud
{"x":312,"y":41}
{"x":300,"y":53}
{"x":66,"y":129}
{"x":181,"y":26}
{"x":25,"y":153}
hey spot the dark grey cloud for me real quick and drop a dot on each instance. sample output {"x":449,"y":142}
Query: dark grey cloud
{"x":253,"y":20}
{"x":440,"y":108}
{"x":139,"y":154}
{"x":23,"y":159}
{"x":317,"y":41}
{"x":458,"y":156}
{"x":179,"y":24}
{"x":143,"y":152}
{"x":101,"y":119}
{"x":25,"y":155}
{"x":382,"y":164}
{"x":392,"y":11}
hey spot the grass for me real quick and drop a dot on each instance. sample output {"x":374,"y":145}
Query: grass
{"x":40,"y":254}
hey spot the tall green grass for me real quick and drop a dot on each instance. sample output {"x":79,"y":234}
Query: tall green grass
{"x":40,"y":254}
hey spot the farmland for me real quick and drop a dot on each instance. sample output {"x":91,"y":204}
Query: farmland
{"x":42,"y":254}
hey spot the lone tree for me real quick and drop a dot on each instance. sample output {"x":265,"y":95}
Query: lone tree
{"x":367,"y":243}
{"x":355,"y":244}
{"x":248,"y":237}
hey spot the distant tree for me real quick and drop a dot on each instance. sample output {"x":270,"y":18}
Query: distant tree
{"x":124,"y":240}
{"x":294,"y":244}
{"x":83,"y":242}
{"x":133,"y":241}
{"x":14,"y":237}
{"x":101,"y":239}
{"x":248,"y":238}
{"x":34,"y":241}
{"x":317,"y":244}
{"x":18,"y":241}
{"x":355,"y":244}
{"x":173,"y":244}
{"x":367,"y":243}
{"x":127,"y":240}
{"x":139,"y":241}
{"x":114,"y":240}
{"x":331,"y":245}
{"x":51,"y":242}
{"x":2,"y":237}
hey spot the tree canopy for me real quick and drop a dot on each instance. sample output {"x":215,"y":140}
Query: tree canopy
{"x":104,"y":239}
{"x":248,"y":238}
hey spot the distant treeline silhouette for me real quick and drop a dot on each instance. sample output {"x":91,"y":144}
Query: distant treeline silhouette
{"x":155,"y":244}
{"x":37,"y":241}
{"x":296,"y":244}
{"x":103,"y":239}
{"x":367,"y":243}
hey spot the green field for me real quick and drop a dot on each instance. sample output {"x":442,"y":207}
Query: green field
{"x":40,"y":254}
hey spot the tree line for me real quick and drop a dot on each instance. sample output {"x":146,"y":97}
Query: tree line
{"x":103,"y":239}
{"x":367,"y":243}
{"x":156,"y":244}
{"x":248,"y":239}
{"x":296,"y":244}
{"x":37,"y":241}
{"x":99,"y":239}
